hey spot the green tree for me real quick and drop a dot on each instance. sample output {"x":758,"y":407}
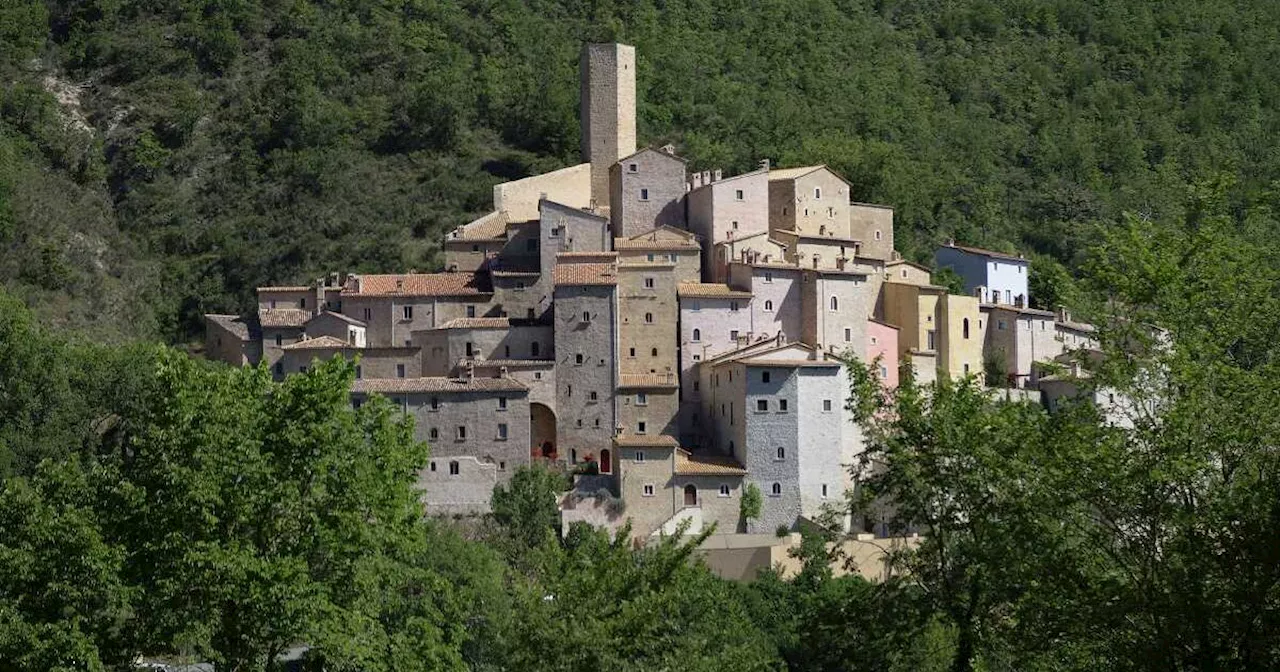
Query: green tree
{"x":750,"y":504}
{"x":527,"y":508}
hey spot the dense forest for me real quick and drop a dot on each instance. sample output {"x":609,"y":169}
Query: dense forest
{"x":159,"y":160}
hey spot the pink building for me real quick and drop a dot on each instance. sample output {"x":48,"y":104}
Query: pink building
{"x":714,"y":319}
{"x":882,"y":341}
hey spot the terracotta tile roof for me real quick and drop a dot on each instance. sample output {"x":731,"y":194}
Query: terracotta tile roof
{"x":649,"y":241}
{"x":283,"y":317}
{"x":492,"y":226}
{"x":419,"y":284}
{"x":986,"y":253}
{"x":707,"y":465}
{"x":239,"y":327}
{"x":647,"y":380}
{"x":345,"y":318}
{"x":285,"y":288}
{"x":509,"y":363}
{"x":792,"y":173}
{"x":436,"y":384}
{"x":514,"y":272}
{"x":318,"y":343}
{"x":586,"y":274}
{"x":896,"y":262}
{"x":477,"y":323}
{"x":587,"y":256}
{"x":823,"y":238}
{"x":710,"y":290}
{"x":638,"y":441}
{"x":1015,"y":309}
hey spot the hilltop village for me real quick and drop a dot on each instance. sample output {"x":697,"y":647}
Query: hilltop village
{"x":677,"y":336}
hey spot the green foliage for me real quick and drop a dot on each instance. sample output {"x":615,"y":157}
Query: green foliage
{"x":527,"y":507}
{"x":947,"y":277}
{"x":750,"y":504}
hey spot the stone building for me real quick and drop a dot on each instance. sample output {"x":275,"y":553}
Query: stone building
{"x":586,"y":333}
{"x":647,"y":191}
{"x":722,"y":211}
{"x":882,"y":350}
{"x":608,"y":101}
{"x":714,"y":319}
{"x":993,"y":277}
{"x":835,"y":306}
{"x":810,"y":201}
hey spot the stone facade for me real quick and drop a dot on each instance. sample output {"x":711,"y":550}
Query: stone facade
{"x":882,"y":345}
{"x":714,"y":319}
{"x":608,"y":115}
{"x":725,"y":210}
{"x":961,"y":338}
{"x":873,"y":226}
{"x":835,"y":306}
{"x":907,"y":273}
{"x":776,"y":304}
{"x":811,"y":201}
{"x":585,"y":330}
{"x":647,"y":191}
{"x":471,"y":339}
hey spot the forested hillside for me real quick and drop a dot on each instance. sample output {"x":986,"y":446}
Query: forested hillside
{"x":159,"y":160}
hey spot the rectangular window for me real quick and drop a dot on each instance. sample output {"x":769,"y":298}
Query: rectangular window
{"x":848,"y":335}
{"x":817,"y":193}
{"x":733,"y":306}
{"x":435,"y":403}
{"x":932,"y":337}
{"x":762,"y":406}
{"x":633,"y":168}
{"x":733,"y":335}
{"x":368,"y":314}
{"x":399,"y":370}
{"x":826,"y":405}
{"x":502,"y":431}
{"x":782,"y":405}
{"x":639,"y":456}
{"x":408,"y":312}
{"x":648,"y":490}
{"x":359,"y":372}
{"x":631,"y":352}
{"x":644,"y":194}
{"x":824,"y":490}
{"x":461,"y":434}
{"x":642,"y":399}
{"x":453,"y":468}
{"x":471,"y":311}
{"x":764,"y":376}
{"x":734,"y":225}
{"x":738,"y":195}
{"x":502,"y":403}
{"x":648,"y":283}
{"x":279,"y":340}
{"x":641,"y":427}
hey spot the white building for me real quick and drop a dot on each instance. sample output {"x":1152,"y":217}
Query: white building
{"x":994,"y":277}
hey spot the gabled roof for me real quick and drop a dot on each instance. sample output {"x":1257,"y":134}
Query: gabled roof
{"x":419,"y":284}
{"x":436,"y":384}
{"x":659,"y":152}
{"x":787,"y":355}
{"x":884,"y":324}
{"x":795,"y":173}
{"x":709,"y":290}
{"x":345,"y":318}
{"x":638,"y":441}
{"x":688,"y":464}
{"x":242,"y":328}
{"x":590,"y":273}
{"x":509,"y":363}
{"x":986,"y":253}
{"x":661,"y":238}
{"x":896,"y":262}
{"x":823,"y":238}
{"x":318,"y":343}
{"x":282,"y":318}
{"x":492,"y":226}
{"x":477,"y":323}
{"x":573,"y":210}
{"x":285,"y":288}
{"x":647,"y":381}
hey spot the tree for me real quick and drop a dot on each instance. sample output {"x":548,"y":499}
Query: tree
{"x":527,"y":508}
{"x":749,"y":505}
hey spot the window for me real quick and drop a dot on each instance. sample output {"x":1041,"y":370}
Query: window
{"x":874,"y":340}
{"x":642,"y":399}
{"x":884,"y":371}
{"x":824,"y":490}
{"x":966,"y":369}
{"x":650,"y":257}
{"x":359,"y":372}
{"x":826,"y":405}
{"x":368,"y":314}
{"x":734,"y":225}
{"x":648,"y":318}
{"x":639,"y":456}
{"x":279,"y":340}
{"x":408,"y":312}
{"x":737,"y":195}
{"x":697,"y":336}
{"x":302,"y":303}
{"x":641,"y":427}
{"x":782,"y":405}
{"x":475,"y":248}
{"x":764,"y":376}
{"x":631,"y":352}
{"x":633,"y":168}
{"x":471,"y":311}
{"x":877,"y":235}
{"x":817,"y":193}
{"x":835,"y":304}
{"x":848,"y":335}
{"x":568,"y":390}
{"x":932,"y":336}
{"x":768,"y":305}
{"x":965,"y":328}
{"x":453,"y":468}
{"x":433,"y":434}
{"x":762,"y":406}
{"x":733,"y":306}
{"x":775,"y":490}
{"x":733,"y":336}
{"x":273,"y":304}
{"x":577,"y":359}
{"x":502,"y":465}
{"x":724,"y":490}
{"x":502,"y":403}
{"x":433,"y":466}
{"x":999,"y":325}
{"x":644,"y":194}
{"x":435,"y":403}
{"x":529,"y":314}
{"x":653,"y":353}
{"x":1008,"y":296}
{"x":461,"y":434}
{"x":593,"y":396}
{"x":399,"y":370}
{"x":555,"y":232}
{"x":904,"y":272}
{"x":502,"y":431}
{"x":648,"y":283}
{"x":533,"y":349}
{"x":356,"y":403}
{"x":648,"y":490}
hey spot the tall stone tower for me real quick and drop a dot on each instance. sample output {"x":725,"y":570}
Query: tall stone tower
{"x":608,"y":100}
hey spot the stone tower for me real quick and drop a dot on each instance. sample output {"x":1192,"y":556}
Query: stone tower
{"x":608,"y":100}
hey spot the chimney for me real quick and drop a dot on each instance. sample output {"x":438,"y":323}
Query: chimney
{"x":471,"y":371}
{"x":1017,"y":301}
{"x":1063,"y":314}
{"x":951,"y":242}
{"x":715,"y":175}
{"x":399,"y":284}
{"x":764,"y":164}
{"x":354,"y":283}
{"x":669,"y":150}
{"x":503,"y":372}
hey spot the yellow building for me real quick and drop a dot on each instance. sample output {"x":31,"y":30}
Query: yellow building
{"x":932,"y":322}
{"x":960,"y":346}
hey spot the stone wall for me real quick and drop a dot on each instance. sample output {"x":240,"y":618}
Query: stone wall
{"x":647,"y":190}
{"x":873,"y":225}
{"x":585,"y":424}
{"x":766,"y":431}
{"x":608,"y":111}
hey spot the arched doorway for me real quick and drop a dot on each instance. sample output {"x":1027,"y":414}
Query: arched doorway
{"x":690,"y":495}
{"x":606,"y":461}
{"x":542,"y":431}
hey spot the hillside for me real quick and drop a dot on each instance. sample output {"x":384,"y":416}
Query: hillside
{"x":158,"y":161}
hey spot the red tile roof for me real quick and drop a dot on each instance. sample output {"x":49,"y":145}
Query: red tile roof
{"x":637,"y":441}
{"x":592,"y":273}
{"x":436,"y":384}
{"x":419,"y":284}
{"x":283,"y":317}
{"x":318,"y":343}
{"x":647,"y":380}
{"x":707,"y":465}
{"x":710,"y":290}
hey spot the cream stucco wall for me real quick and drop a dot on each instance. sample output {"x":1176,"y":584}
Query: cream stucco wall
{"x":519,"y":199}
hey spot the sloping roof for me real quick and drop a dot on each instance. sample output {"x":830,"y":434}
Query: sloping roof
{"x":986,"y":253}
{"x":285,"y":288}
{"x":318,"y":343}
{"x":239,"y":327}
{"x":661,"y":238}
{"x":655,"y":441}
{"x":792,"y":173}
{"x":283,"y":317}
{"x":509,"y":363}
{"x":646,"y":380}
{"x":823,"y":238}
{"x":578,"y":257}
{"x":896,"y":262}
{"x":345,"y":318}
{"x":420,"y":284}
{"x":884,"y":324}
{"x":722,"y":180}
{"x":436,"y":384}
{"x":710,"y":290}
{"x":1015,"y":309}
{"x":688,"y":464}
{"x":492,"y":226}
{"x":1077,"y":326}
{"x":591,"y":273}
{"x":514,"y":272}
{"x":477,"y":323}
{"x":657,"y":151}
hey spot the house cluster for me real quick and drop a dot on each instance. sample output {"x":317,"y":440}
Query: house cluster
{"x":683,"y":332}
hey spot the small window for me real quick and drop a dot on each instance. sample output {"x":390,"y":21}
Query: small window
{"x":399,"y":370}
{"x":435,"y":403}
{"x":762,"y":406}
{"x":724,"y":490}
{"x":279,"y":340}
{"x":639,"y":457}
{"x":642,"y":399}
{"x":966,"y":369}
{"x":966,"y":327}
{"x":649,"y":283}
{"x":273,"y":304}
{"x":775,"y":490}
{"x":835,"y":304}
{"x":408,"y":312}
{"x":453,"y":468}
{"x":781,"y":453}
{"x":631,"y":352}
{"x":502,"y":465}
{"x":877,"y":235}
{"x":502,"y":431}
{"x":461,"y":433}
{"x":733,"y":306}
{"x":502,"y":403}
{"x":817,"y":193}
{"x":641,"y":427}
{"x":697,"y":336}
{"x":734,"y":225}
{"x":644,"y":194}
{"x":824,"y":490}
{"x":999,"y":325}
{"x":359,"y":372}
{"x":826,"y":405}
{"x":577,"y":359}
{"x":648,"y":318}
{"x":653,"y":353}
{"x":368,"y":314}
{"x":633,"y":168}
{"x":884,"y":371}
{"x":475,"y":248}
{"x":433,"y":434}
{"x":848,"y":335}
{"x":471,"y":311}
{"x":650,"y":257}
{"x":733,"y":336}
{"x":764,"y":376}
{"x":648,"y":490}
{"x":768,"y":305}
{"x":593,"y":396}
{"x":737,"y":195}
{"x":782,"y":405}
{"x":433,"y":466}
